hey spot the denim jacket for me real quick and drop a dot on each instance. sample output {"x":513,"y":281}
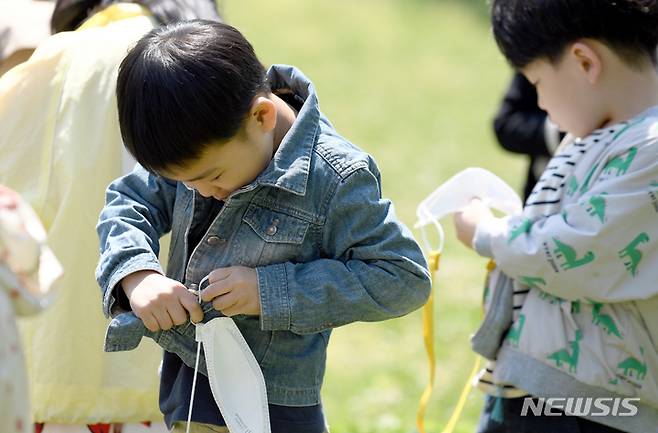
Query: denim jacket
{"x":327,"y":248}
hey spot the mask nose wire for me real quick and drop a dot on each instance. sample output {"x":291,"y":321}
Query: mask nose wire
{"x":196,"y":362}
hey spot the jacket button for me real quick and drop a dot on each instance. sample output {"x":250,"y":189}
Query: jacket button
{"x":272,"y":229}
{"x":215,"y":240}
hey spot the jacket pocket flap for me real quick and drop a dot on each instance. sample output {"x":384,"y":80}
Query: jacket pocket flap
{"x":273,"y":226}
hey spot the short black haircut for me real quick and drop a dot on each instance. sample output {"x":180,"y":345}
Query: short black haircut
{"x":528,"y":30}
{"x":184,"y":86}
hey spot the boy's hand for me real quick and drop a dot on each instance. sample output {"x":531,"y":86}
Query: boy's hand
{"x":233,"y":290}
{"x":159,"y":301}
{"x":467,"y":220}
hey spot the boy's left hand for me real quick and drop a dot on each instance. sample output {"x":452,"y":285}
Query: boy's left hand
{"x":233,"y":290}
{"x":467,"y":220}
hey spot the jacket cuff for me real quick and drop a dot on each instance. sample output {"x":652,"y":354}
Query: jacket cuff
{"x":274,"y":299}
{"x":485,"y":231}
{"x":141,"y":262}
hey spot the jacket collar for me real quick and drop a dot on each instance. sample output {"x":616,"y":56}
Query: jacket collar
{"x":290,"y":165}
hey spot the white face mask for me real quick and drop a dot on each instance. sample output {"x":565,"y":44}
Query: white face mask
{"x":236,"y":380}
{"x":458,"y":191}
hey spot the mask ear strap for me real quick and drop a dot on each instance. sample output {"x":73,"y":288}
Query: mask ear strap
{"x":196,"y":363}
{"x":433,"y":255}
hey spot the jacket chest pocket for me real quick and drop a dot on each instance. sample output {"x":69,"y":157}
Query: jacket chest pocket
{"x":268,"y":236}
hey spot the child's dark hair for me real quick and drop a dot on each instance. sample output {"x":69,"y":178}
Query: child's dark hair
{"x":527,"y":30}
{"x":184,"y":86}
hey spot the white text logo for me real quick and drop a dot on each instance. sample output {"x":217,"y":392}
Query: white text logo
{"x":580,"y":406}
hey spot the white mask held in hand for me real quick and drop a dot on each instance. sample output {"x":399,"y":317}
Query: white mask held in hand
{"x":458,"y":191}
{"x":236,"y":380}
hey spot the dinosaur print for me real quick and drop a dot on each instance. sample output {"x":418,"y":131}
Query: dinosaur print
{"x":597,"y":206}
{"x":632,"y":253}
{"x":570,"y":257}
{"x":522,"y":228}
{"x":620,"y":164}
{"x":604,"y":321}
{"x":563,"y":356}
{"x":632,"y":366}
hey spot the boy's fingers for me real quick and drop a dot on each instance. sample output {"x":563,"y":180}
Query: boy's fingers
{"x":164,"y":321}
{"x":215,"y":289}
{"x":218,"y":274}
{"x":178,"y":314}
{"x":232,"y":311}
{"x":193,"y":307}
{"x":150,"y":323}
{"x":225,"y":302}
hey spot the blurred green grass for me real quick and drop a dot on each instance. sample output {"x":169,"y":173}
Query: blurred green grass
{"x":415,"y":83}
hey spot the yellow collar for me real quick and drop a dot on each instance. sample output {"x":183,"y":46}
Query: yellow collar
{"x":115,"y":12}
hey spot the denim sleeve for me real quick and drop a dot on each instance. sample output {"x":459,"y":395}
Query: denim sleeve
{"x":138,"y":210}
{"x":373,"y":270}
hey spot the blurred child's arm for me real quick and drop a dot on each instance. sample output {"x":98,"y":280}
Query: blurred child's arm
{"x":373,"y":270}
{"x":8,"y":198}
{"x":604,"y":247}
{"x":137,"y":213}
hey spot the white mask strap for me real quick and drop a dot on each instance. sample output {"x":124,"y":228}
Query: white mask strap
{"x":196,"y":365}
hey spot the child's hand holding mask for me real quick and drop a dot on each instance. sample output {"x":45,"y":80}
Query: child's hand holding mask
{"x":159,"y":301}
{"x":233,"y":290}
{"x":467,"y":220}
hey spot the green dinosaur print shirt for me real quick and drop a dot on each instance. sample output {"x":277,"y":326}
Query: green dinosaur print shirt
{"x":581,"y":264}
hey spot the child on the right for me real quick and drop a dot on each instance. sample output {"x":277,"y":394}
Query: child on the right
{"x":572,"y":306}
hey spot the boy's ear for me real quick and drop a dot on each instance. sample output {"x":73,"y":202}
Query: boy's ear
{"x":263,"y":113}
{"x":588,"y":60}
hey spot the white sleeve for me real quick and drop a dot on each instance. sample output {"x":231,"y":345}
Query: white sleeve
{"x":602,"y":247}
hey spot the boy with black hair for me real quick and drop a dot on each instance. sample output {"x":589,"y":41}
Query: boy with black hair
{"x":572,"y":307}
{"x":261,"y":194}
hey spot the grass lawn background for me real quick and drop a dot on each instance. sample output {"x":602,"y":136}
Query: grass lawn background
{"x":415,"y":83}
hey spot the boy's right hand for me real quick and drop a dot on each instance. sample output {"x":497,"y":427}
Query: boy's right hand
{"x":159,"y":301}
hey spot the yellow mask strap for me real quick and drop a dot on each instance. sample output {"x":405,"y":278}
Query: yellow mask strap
{"x":428,"y":336}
